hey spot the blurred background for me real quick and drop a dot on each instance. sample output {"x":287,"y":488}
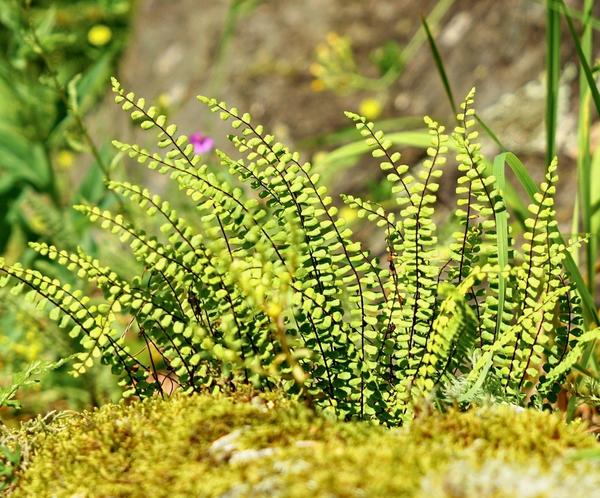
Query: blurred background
{"x":295,"y":65}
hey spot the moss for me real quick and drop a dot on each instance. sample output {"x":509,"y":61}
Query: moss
{"x":211,"y":446}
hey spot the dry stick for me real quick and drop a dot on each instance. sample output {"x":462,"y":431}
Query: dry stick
{"x":154,"y":372}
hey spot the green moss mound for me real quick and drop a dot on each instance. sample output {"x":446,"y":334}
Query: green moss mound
{"x":222,"y":447}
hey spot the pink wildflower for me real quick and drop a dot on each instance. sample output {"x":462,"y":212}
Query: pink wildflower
{"x":202,"y":143}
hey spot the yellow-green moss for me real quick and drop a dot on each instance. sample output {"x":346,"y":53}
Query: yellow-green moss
{"x":206,"y":446}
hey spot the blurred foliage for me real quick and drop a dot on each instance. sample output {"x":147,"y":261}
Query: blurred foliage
{"x":30,"y":376}
{"x":336,"y":69}
{"x":55,"y":59}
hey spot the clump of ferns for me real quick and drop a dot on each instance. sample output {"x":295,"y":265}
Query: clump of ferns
{"x":273,"y":291}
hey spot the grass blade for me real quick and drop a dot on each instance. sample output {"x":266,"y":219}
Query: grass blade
{"x":575,"y":226}
{"x":589,"y":78}
{"x":435,"y":16}
{"x":585,"y":65}
{"x":347,"y":155}
{"x":521,"y":173}
{"x":572,"y":13}
{"x":502,"y":238}
{"x":552,"y":78}
{"x":584,"y":159}
{"x":439,"y":64}
{"x":490,"y":133}
{"x":512,"y":197}
{"x":595,"y":207}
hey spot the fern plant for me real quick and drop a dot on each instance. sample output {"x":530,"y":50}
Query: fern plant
{"x":267,"y":286}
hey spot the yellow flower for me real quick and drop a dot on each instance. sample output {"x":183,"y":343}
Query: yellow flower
{"x":317,"y":85}
{"x":348,"y":214}
{"x":316,"y":69}
{"x":64,"y":159}
{"x":319,"y":157}
{"x":99,"y":35}
{"x":332,"y":38}
{"x":274,"y":310}
{"x":370,"y":108}
{"x":164,"y":101}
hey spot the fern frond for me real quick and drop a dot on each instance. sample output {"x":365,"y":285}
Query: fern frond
{"x":268,"y":287}
{"x":452,"y":336}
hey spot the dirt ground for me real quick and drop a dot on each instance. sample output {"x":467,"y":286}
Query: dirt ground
{"x":496,"y":45}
